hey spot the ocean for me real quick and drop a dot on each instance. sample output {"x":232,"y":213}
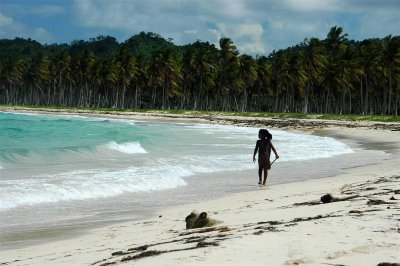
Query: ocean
{"x":68,"y":172}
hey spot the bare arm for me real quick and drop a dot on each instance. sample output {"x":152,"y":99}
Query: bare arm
{"x":273,"y":149}
{"x":255,"y":152}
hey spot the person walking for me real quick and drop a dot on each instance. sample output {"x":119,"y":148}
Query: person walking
{"x":263,"y":148}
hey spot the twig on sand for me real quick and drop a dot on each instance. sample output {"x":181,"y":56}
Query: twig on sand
{"x":205,"y":230}
{"x":327,"y":198}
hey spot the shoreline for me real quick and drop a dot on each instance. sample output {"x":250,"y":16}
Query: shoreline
{"x":264,"y":226}
{"x":273,"y":122}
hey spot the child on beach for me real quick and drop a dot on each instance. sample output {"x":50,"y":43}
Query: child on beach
{"x":264,"y":147}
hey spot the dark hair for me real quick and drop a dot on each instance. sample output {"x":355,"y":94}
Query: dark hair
{"x":264,"y":134}
{"x":261,"y":133}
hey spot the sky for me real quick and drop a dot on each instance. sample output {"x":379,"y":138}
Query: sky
{"x":256,"y":27}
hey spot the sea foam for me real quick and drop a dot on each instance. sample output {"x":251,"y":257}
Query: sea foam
{"x":89,"y":184}
{"x":128,"y":147}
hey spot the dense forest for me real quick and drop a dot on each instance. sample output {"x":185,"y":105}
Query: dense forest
{"x":334,"y":75}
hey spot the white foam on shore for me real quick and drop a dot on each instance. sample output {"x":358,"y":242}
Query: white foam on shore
{"x":81,"y":185}
{"x":128,"y":147}
{"x":290,"y":146}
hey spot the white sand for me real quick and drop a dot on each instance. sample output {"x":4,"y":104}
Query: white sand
{"x":265,"y":226}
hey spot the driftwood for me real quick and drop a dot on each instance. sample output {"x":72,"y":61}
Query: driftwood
{"x":205,"y":230}
{"x":328,"y":198}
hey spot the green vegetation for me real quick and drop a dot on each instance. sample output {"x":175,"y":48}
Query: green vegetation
{"x":334,"y":76}
{"x":346,"y":117}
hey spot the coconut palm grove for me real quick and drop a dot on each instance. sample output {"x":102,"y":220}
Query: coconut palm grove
{"x":333,"y":76}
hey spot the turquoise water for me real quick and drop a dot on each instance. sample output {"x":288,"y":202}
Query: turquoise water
{"x":48,"y":158}
{"x":60,"y":170}
{"x":39,"y":136}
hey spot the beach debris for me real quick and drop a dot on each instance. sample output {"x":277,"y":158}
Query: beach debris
{"x":262,"y":229}
{"x":300,"y":219}
{"x":271,"y":222}
{"x":191,"y":219}
{"x":204,"y":221}
{"x":205,"y":230}
{"x":142,"y":255}
{"x":307,"y":203}
{"x":343,"y":188}
{"x":203,"y":244}
{"x":328,"y":198}
{"x":362,"y":211}
{"x":378,"y":202}
{"x":195,"y":239}
{"x":195,"y":220}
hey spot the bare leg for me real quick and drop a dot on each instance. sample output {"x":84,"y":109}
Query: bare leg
{"x":259,"y":175}
{"x":265,"y":176}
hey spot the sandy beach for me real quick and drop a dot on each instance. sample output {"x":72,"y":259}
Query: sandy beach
{"x":284,"y":224}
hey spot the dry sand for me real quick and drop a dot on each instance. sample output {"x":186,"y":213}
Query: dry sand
{"x":283,"y":224}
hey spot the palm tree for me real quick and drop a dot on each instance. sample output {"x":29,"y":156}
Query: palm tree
{"x":334,"y":44}
{"x":248,"y":76}
{"x":296,"y":78}
{"x":188,"y":82}
{"x":279,"y":75}
{"x":203,"y":74}
{"x":141,"y":81}
{"x":228,"y":70}
{"x":13,"y":71}
{"x":38,"y":76}
{"x":351,"y":71}
{"x":61,"y":71}
{"x":391,"y":63}
{"x":313,"y":62}
{"x":128,"y":69}
{"x":261,"y":87}
{"x":331,"y":80}
{"x":370,"y":60}
{"x":110,"y":72}
{"x":83,"y":69}
{"x":334,"y":40}
{"x":167,"y":74}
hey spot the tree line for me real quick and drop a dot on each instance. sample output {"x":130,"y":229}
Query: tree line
{"x":333,"y":75}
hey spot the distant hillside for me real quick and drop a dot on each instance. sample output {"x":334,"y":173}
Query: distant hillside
{"x":142,"y":44}
{"x":146,"y":44}
{"x":19,"y":47}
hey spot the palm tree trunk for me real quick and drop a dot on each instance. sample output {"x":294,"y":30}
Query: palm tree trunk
{"x":390,"y":92}
{"x":305,"y":107}
{"x":366,"y":100}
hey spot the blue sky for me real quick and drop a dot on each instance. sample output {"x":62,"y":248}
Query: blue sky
{"x":255,"y":26}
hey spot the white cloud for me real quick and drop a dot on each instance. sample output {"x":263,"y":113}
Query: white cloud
{"x":246,"y":36}
{"x":9,"y":28}
{"x":215,"y":33}
{"x":5,"y":20}
{"x":42,"y":35}
{"x":254,"y":30}
{"x":255,"y":26}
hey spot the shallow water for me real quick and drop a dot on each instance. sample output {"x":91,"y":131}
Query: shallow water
{"x":69,"y":172}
